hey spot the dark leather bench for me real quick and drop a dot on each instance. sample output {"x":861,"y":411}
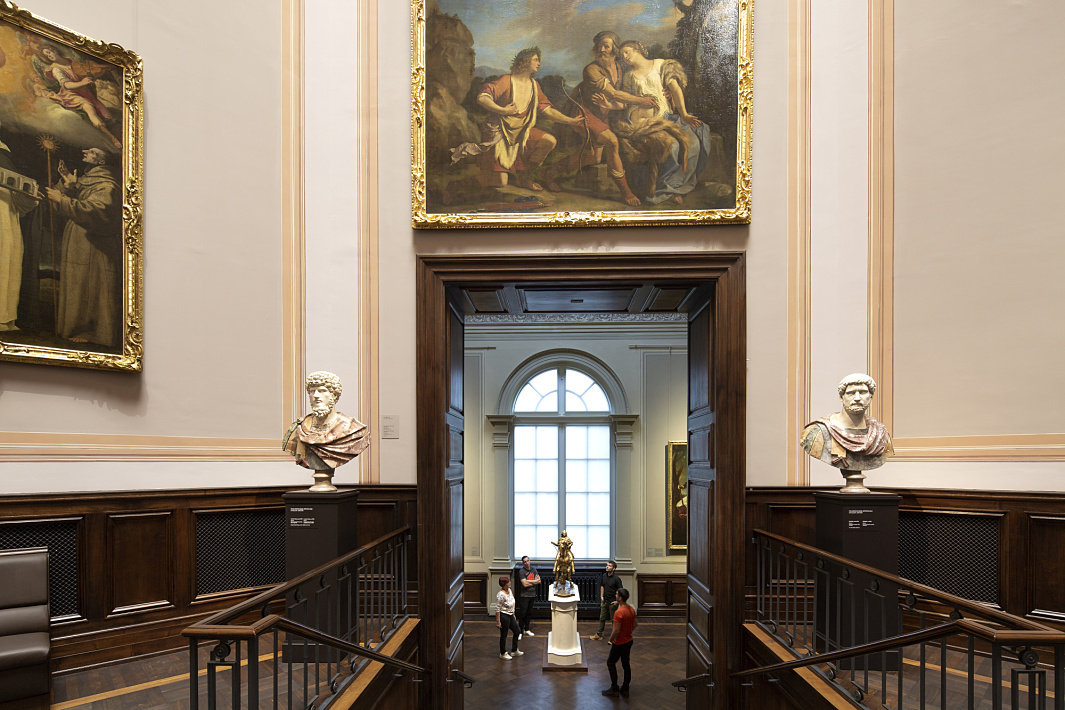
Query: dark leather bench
{"x":25,"y":648}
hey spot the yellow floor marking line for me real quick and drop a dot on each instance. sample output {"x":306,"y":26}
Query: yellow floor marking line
{"x":141,"y":686}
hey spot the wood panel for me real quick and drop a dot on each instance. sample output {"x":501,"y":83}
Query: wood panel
{"x":139,"y":548}
{"x":1046,"y":536}
{"x":662,"y":595}
{"x":475,"y":593}
{"x":136,"y":561}
{"x":1031,"y":534}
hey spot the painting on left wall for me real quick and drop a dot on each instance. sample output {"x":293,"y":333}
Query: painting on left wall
{"x":71,"y":168}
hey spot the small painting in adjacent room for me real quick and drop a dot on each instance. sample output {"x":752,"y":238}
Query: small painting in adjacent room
{"x":583,"y":113}
{"x":677,"y":496}
{"x":70,"y":197}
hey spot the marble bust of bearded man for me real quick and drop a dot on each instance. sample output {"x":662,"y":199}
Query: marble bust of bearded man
{"x":325,"y":438}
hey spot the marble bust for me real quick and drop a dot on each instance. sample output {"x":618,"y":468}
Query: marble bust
{"x":325,"y":438}
{"x":849,"y":439}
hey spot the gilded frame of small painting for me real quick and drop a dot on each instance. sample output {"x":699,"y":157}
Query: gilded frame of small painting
{"x":71,"y":172}
{"x":638,"y":113}
{"x":677,"y":496}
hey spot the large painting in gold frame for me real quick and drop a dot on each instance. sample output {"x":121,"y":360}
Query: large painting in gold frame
{"x":642,"y":113}
{"x":677,"y":496}
{"x":71,"y":167}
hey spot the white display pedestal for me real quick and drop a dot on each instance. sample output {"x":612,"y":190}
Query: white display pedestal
{"x":563,"y":642}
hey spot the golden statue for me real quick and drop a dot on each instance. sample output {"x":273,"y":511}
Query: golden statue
{"x":564,"y":566}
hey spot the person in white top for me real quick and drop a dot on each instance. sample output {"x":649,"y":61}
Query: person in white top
{"x":505,"y":620}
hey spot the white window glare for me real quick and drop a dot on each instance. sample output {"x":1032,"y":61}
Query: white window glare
{"x":562,"y":470}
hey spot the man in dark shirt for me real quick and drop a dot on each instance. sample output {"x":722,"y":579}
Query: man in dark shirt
{"x":608,"y":591}
{"x":528,"y":578}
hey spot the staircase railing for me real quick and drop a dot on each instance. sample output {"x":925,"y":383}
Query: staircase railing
{"x":889,"y":642}
{"x":318,"y":632}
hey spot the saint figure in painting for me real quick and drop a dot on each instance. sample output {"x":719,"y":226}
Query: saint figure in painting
{"x":90,"y":262}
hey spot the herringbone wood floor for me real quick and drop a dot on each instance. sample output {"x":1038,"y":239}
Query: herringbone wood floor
{"x":161,"y":682}
{"x":657,"y":660}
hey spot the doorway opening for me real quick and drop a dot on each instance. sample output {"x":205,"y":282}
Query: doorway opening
{"x":714,"y":311}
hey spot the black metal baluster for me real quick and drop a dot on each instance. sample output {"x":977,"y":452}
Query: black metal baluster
{"x":996,"y":677}
{"x":943,"y":673}
{"x":194,"y":675}
{"x":253,"y":673}
{"x":235,"y":678}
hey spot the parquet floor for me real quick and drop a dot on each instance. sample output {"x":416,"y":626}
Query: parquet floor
{"x":161,"y":682}
{"x":657,"y":660}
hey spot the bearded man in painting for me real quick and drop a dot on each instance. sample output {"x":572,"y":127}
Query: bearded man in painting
{"x":90,"y":265}
{"x":511,"y":144}
{"x":593,"y":99}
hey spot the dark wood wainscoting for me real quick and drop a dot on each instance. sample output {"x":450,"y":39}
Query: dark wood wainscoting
{"x":1002,"y":548}
{"x":662,"y":595}
{"x":475,"y":593}
{"x":130,"y":570}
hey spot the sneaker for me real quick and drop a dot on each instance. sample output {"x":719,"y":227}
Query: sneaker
{"x":528,"y":633}
{"x":519,"y":636}
{"x":597,"y":637}
{"x":505,"y":656}
{"x":624,"y":692}
{"x":612,"y":692}
{"x":517,"y":653}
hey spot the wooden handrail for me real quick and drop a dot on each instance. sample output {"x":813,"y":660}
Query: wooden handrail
{"x":1022,"y":638}
{"x":957,"y":602}
{"x":221,"y":619}
{"x":327,"y":640}
{"x":888,"y":644}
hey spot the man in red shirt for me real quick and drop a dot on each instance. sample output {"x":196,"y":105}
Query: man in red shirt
{"x":620,"y":645}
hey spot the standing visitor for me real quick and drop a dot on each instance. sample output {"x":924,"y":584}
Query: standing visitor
{"x":528,"y":578}
{"x":505,"y":620}
{"x":609,"y":585}
{"x":621,"y":645}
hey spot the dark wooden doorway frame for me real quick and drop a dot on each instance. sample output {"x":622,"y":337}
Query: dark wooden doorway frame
{"x":442,"y":633}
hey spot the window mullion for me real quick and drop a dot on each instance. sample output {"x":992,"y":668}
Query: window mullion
{"x":562,"y":476}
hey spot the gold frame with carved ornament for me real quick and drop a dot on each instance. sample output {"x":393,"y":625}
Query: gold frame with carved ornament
{"x":423,"y":218}
{"x":12,"y":344}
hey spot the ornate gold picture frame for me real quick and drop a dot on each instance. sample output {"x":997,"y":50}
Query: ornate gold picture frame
{"x":677,"y":496}
{"x":71,"y":167}
{"x":585,"y":113}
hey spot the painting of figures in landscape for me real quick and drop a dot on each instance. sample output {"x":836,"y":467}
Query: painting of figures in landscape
{"x":636,"y":111}
{"x":69,"y":256}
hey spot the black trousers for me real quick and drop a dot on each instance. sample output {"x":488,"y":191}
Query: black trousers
{"x":619,"y":651}
{"x":525,"y":606}
{"x":508,"y":624}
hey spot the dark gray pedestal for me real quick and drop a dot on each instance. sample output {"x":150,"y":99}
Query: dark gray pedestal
{"x":319,"y":527}
{"x":863,"y":527}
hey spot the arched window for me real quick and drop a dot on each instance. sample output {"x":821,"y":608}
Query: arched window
{"x":562,"y":461}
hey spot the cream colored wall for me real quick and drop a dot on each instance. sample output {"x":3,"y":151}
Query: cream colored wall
{"x":651,"y":364}
{"x":972,"y":251}
{"x":212,"y":268}
{"x":765,"y":242}
{"x":972,"y":270}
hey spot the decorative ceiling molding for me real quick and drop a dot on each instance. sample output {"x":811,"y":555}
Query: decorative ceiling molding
{"x":584,"y":318}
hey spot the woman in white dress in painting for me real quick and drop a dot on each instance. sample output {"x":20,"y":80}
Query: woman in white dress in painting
{"x":665,"y":137}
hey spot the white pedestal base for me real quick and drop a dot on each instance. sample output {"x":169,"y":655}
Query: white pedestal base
{"x":563,"y":641}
